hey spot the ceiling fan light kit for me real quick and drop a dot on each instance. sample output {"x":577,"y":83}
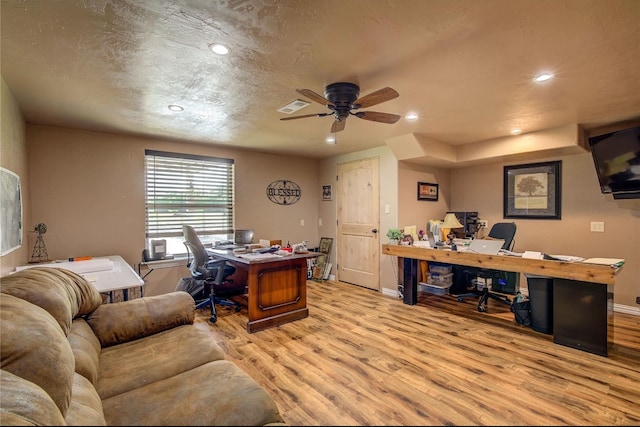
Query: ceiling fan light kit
{"x":342,"y":99}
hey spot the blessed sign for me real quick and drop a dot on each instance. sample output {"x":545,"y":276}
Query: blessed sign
{"x":284,"y":192}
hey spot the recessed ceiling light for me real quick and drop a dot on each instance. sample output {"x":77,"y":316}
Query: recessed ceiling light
{"x":331,"y":140}
{"x":543,"y":77}
{"x":411,"y":116}
{"x":218,"y":48}
{"x":516,"y":131}
{"x":174,"y":107}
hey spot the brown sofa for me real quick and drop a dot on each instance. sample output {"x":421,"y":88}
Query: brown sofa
{"x":69,"y":359}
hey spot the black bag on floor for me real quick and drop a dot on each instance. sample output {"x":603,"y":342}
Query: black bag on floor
{"x":193,"y":287}
{"x":522,"y":312}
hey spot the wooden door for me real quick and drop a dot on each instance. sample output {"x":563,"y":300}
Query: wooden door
{"x":358,"y":202}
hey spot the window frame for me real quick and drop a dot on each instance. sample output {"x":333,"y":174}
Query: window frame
{"x":169,"y":180}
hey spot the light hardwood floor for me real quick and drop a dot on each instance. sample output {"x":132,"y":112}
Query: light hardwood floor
{"x":363,"y":358}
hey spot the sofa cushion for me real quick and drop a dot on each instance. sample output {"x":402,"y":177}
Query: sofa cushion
{"x":154,"y":358}
{"x":86,"y":406}
{"x":133,"y":319}
{"x":35,"y":348}
{"x":217,"y":393}
{"x":86,"y":349}
{"x":25,"y":403}
{"x":63,"y":293}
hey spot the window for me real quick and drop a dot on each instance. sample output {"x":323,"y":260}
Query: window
{"x":188,"y":189}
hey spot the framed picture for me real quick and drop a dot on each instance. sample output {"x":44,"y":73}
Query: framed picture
{"x":318,"y":271}
{"x":326,"y":192}
{"x":11,"y":214}
{"x":427,"y":191}
{"x":325,"y":245}
{"x":532,"y":191}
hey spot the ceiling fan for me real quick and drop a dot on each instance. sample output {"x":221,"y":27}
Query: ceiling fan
{"x":342,"y":99}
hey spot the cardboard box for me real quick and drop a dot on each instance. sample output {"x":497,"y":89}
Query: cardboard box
{"x":267,"y":243}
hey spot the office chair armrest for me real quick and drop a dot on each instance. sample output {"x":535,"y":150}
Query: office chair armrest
{"x":218,"y":267}
{"x":129,"y":320}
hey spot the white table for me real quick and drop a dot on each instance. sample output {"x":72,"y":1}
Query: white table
{"x":106,"y":274}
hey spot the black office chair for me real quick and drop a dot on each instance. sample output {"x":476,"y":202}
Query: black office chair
{"x":214,"y":275}
{"x":500,"y":230}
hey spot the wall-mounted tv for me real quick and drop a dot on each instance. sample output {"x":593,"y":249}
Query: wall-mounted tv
{"x":617,"y":159}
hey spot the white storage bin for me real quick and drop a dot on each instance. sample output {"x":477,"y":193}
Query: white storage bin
{"x":440,"y":279}
{"x":434,"y":289}
{"x":440,"y":268}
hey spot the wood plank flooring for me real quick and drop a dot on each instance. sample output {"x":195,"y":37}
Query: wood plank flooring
{"x":363,"y":358}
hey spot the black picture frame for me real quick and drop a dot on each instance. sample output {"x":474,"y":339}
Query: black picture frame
{"x":532,"y":191}
{"x":327,"y":192}
{"x":428,"y":191}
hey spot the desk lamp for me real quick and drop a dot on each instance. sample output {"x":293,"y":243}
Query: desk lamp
{"x":451,"y":222}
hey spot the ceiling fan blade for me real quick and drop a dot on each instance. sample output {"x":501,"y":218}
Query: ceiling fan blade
{"x":314,"y":96}
{"x":382,"y":95}
{"x":338,"y":126}
{"x":306,"y":115}
{"x":375,"y":116}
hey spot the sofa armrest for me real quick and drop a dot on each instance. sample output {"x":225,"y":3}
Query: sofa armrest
{"x":129,"y":320}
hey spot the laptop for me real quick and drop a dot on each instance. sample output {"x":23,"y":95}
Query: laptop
{"x":241,"y":239}
{"x":485,"y":246}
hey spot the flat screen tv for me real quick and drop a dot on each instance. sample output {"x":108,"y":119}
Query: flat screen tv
{"x":617,"y":159}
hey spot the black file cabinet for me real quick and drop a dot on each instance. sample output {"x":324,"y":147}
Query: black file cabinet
{"x":583,"y":315}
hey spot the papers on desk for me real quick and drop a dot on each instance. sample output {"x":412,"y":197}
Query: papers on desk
{"x":567,"y":258}
{"x":256,"y":256}
{"x":421,"y":244}
{"x":78,"y":267}
{"x":613,"y":262}
{"x":510,"y":253}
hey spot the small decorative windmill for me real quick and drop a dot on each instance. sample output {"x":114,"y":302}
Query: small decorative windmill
{"x":39,"y":249}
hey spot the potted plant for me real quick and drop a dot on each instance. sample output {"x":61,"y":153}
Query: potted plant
{"x":394,"y":235}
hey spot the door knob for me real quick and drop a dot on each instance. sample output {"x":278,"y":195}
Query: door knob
{"x":374,"y":231}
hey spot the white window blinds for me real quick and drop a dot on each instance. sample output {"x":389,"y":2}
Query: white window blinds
{"x":188,"y":189}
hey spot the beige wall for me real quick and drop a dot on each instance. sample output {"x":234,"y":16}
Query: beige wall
{"x":479,"y":189}
{"x":418,"y":212}
{"x":93,"y":203}
{"x":88,"y":187}
{"x":13,"y":156}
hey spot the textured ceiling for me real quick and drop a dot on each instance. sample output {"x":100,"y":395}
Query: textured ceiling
{"x":464,"y":66}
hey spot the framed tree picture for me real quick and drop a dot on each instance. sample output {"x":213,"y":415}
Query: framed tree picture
{"x":532,"y":191}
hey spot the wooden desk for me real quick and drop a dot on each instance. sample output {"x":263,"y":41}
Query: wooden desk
{"x":582,"y":293}
{"x":277,"y":287}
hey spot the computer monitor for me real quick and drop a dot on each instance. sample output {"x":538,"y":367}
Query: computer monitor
{"x":243,"y":237}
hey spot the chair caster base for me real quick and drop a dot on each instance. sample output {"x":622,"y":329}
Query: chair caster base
{"x":482,"y":308}
{"x":238,"y":308}
{"x":213,"y":319}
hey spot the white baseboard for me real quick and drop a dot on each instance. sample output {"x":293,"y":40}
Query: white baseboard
{"x":627,"y":309}
{"x":390,"y":292}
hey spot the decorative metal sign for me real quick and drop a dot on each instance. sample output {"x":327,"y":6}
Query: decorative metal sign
{"x":284,"y":192}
